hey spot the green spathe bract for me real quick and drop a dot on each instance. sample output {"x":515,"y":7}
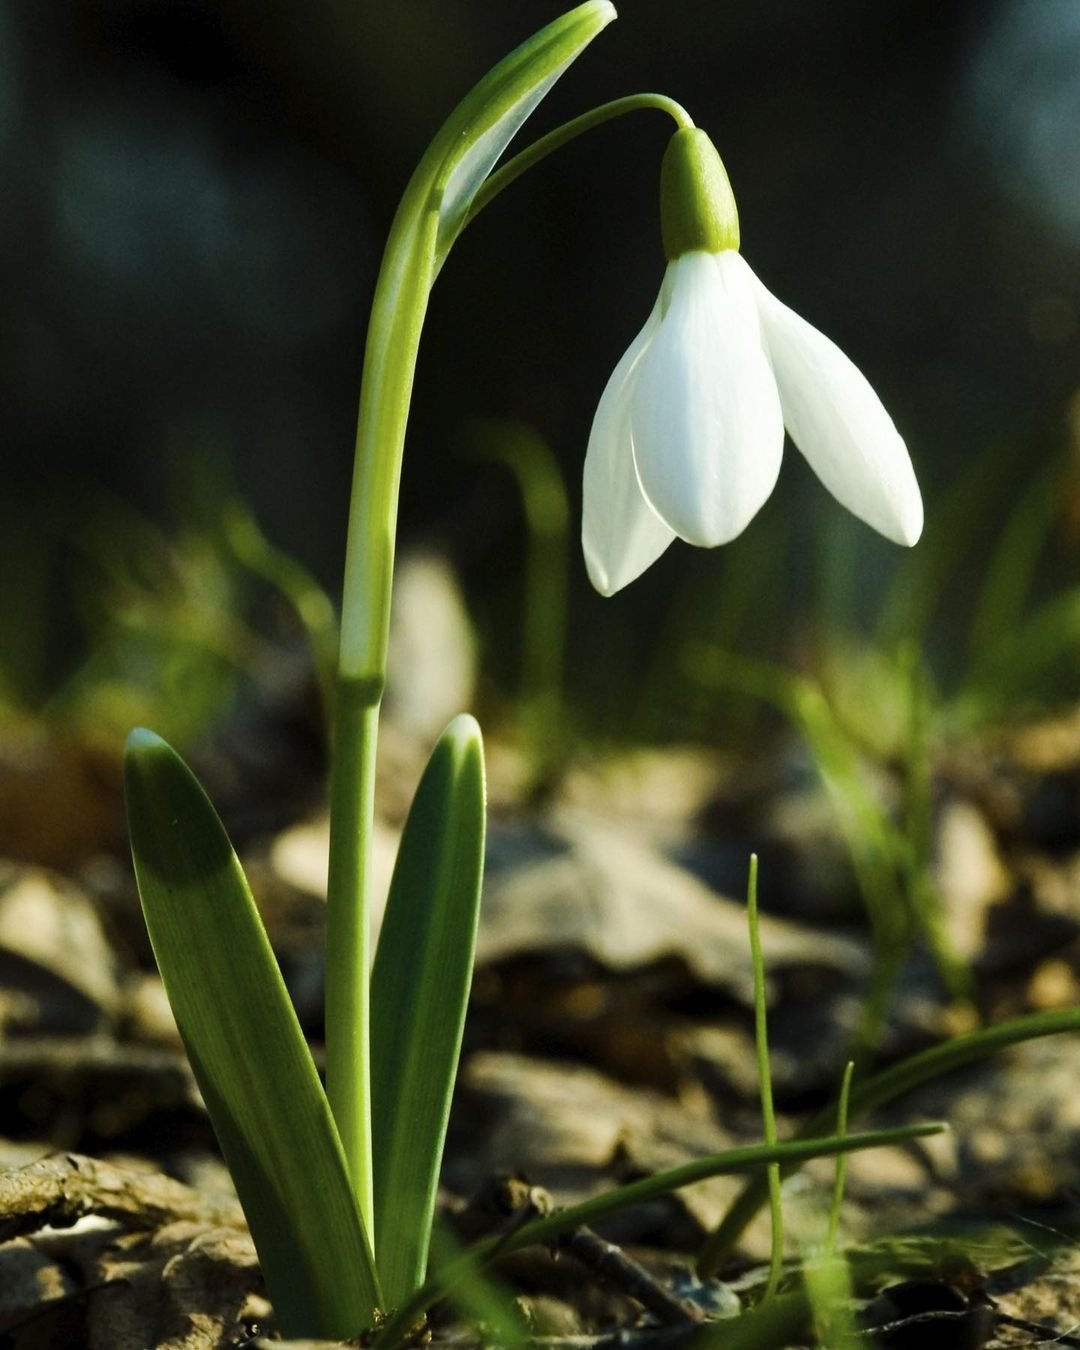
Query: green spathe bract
{"x":419,"y":993}
{"x":484,"y":123}
{"x":249,"y":1055}
{"x":433,"y":210}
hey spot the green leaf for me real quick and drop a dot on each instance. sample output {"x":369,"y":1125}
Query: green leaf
{"x":247,"y":1050}
{"x":419,"y":992}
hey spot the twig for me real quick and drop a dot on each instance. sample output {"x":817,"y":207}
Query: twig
{"x":611,"y":1263}
{"x":978,"y":1320}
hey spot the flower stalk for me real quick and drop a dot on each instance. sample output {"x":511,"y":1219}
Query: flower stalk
{"x":434,"y":209}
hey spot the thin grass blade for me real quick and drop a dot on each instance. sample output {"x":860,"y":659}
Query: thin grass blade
{"x":478,"y":1296}
{"x":419,"y":992}
{"x":754,"y":1157}
{"x":876,"y":1091}
{"x":252,"y":1064}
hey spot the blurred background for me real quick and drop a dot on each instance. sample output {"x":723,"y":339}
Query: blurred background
{"x":195,"y":197}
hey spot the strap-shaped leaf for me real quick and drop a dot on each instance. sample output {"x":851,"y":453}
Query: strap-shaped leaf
{"x":419,"y":992}
{"x":252,"y":1064}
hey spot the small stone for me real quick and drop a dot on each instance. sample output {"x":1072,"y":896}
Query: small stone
{"x":149,"y":1016}
{"x":53,"y":949}
{"x":1053,"y":985}
{"x":28,"y":1278}
{"x":970,"y":875}
{"x":432,"y":661}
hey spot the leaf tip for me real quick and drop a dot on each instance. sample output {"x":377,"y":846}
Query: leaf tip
{"x":602,"y":11}
{"x":141,"y":740}
{"x":596,"y":15}
{"x":463,"y":730}
{"x":464,"y":742}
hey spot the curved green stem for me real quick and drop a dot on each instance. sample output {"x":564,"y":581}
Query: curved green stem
{"x":570,"y":131}
{"x":440,"y":197}
{"x":397,"y":316}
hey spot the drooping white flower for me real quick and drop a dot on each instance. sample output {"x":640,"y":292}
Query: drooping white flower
{"x":688,"y":435}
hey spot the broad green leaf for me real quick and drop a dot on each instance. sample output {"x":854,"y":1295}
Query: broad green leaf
{"x":252,"y":1064}
{"x":419,"y":992}
{"x":876,"y":1091}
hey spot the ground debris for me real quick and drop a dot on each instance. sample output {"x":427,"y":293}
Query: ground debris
{"x":60,"y":1190}
{"x":83,"y":1093}
{"x":115,"y":1258}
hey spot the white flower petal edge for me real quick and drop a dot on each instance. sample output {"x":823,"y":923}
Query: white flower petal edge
{"x":621,"y":535}
{"x":707,"y":430}
{"x":839,"y":424}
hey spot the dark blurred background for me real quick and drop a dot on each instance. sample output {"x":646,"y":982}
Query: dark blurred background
{"x":195,"y":195}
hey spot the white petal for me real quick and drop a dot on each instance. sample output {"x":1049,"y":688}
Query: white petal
{"x":707,"y":429}
{"x":838,"y":422}
{"x":620,"y":533}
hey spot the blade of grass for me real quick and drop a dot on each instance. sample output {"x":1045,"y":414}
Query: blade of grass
{"x":544,"y":603}
{"x":419,"y":992}
{"x":841,"y":1160}
{"x":768,"y":1115}
{"x":922,"y":577}
{"x":309,"y":601}
{"x":770,"y":1326}
{"x":480,"y":1298}
{"x":885,"y":1087}
{"x":751,"y":1158}
{"x":250,"y":1059}
{"x":1009,"y":673}
{"x":1010,"y":571}
{"x":827,"y":1281}
{"x":915,"y":838}
{"x":874,"y":845}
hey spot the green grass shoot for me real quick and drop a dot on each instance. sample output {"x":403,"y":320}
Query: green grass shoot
{"x":768,"y":1114}
{"x":880,"y":1089}
{"x":751,"y":1158}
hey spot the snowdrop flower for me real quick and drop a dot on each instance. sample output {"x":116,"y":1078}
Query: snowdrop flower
{"x":688,"y":435}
